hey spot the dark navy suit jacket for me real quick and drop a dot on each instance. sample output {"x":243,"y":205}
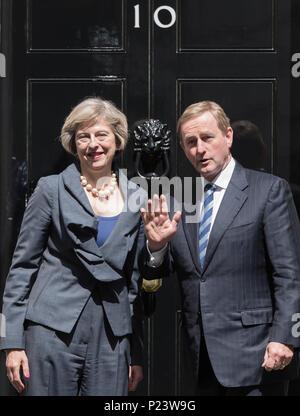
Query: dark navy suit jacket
{"x":57,"y":263}
{"x":249,"y":288}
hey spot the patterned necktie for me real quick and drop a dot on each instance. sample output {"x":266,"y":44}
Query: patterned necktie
{"x":206,"y":220}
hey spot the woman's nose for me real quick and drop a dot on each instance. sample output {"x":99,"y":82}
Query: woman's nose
{"x":93,"y":141}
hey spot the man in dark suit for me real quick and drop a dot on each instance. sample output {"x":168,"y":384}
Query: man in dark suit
{"x":237,"y":264}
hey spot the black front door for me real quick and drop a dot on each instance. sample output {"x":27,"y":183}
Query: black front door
{"x":151,"y":58}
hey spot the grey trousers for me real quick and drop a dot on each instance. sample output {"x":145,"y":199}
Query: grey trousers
{"x":90,"y":361}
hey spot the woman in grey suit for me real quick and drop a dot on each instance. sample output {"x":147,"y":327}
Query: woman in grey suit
{"x":71,"y":303}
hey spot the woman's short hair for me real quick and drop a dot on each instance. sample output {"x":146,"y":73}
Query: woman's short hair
{"x":88,"y":110}
{"x":195,"y":110}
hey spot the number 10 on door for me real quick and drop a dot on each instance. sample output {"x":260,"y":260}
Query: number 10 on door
{"x":156,"y":17}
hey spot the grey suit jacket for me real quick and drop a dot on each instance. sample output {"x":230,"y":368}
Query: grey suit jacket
{"x":249,"y":288}
{"x":57,"y":262}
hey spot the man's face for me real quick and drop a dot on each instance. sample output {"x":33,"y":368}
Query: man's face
{"x":205,"y":145}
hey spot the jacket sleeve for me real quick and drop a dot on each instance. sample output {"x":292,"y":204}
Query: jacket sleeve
{"x":282,"y":236}
{"x":151,"y":272}
{"x":31,"y":243}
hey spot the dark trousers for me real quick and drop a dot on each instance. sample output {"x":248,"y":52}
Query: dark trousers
{"x":90,"y":361}
{"x":210,"y":386}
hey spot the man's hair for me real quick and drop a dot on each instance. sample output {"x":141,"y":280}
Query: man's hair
{"x":195,"y":110}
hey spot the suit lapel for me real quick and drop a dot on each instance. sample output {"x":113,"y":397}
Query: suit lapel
{"x":191,"y":230}
{"x":82,"y":223}
{"x":77,"y":215}
{"x":233,"y":200}
{"x":71,"y":179}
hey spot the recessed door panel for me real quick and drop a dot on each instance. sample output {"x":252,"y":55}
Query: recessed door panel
{"x":46,"y":114}
{"x":234,"y":25}
{"x":242,"y":99}
{"x":76,"y":25}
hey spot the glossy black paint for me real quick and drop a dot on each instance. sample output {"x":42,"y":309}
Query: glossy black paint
{"x":58,"y":52}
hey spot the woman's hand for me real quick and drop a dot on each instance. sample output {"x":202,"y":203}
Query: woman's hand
{"x":135,"y":376}
{"x":158,"y":227}
{"x":14,"y":360}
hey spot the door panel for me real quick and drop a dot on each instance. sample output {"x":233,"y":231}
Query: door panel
{"x":238,"y":26}
{"x":47,"y":156}
{"x":79,"y":25}
{"x":234,"y":53}
{"x":257,"y":103}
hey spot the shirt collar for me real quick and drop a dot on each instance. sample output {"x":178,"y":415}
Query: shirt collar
{"x":223,"y":179}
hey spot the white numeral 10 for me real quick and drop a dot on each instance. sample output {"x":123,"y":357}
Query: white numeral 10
{"x":155,"y":16}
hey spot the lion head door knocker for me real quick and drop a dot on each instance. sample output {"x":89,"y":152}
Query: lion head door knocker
{"x":151,"y":145}
{"x":151,"y":141}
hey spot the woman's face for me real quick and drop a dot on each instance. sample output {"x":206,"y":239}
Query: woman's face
{"x":96,"y":146}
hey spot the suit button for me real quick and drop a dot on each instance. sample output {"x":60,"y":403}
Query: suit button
{"x":202,"y":279}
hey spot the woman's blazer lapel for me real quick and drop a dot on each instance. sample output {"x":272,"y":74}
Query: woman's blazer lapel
{"x":81,"y":225}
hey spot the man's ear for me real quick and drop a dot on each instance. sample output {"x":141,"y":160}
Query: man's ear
{"x":229,"y":137}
